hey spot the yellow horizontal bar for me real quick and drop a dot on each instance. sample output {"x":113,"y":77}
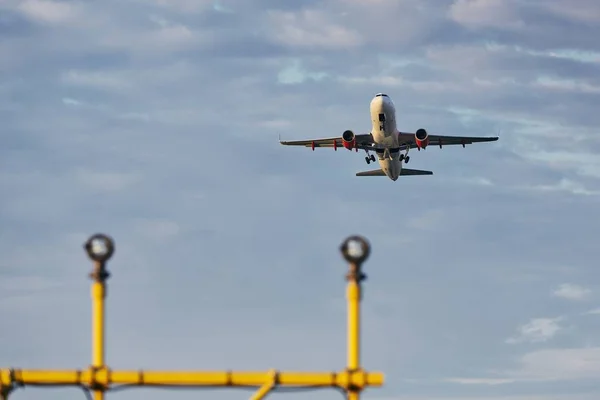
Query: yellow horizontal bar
{"x":106,"y":377}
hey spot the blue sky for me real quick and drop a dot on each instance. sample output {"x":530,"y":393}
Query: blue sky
{"x":156,"y":121}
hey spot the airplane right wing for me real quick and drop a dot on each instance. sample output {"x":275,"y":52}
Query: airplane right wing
{"x":403,"y":171}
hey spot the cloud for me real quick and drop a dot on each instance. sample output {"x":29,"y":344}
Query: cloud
{"x":565,"y":185}
{"x":537,"y":330}
{"x":311,"y":28}
{"x":558,"y":364}
{"x":571,"y":291}
{"x":585,"y":12}
{"x":51,"y":12}
{"x":583,"y":396}
{"x":486,"y":14}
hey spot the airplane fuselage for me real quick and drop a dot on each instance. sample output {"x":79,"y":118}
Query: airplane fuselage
{"x":385,"y":135}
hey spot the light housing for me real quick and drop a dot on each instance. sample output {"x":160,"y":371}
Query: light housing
{"x":99,"y":247}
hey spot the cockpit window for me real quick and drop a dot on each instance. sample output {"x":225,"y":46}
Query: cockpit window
{"x":381,"y":95}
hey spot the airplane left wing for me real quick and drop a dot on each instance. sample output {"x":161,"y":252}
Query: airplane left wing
{"x":361,"y":142}
{"x":442,"y":140}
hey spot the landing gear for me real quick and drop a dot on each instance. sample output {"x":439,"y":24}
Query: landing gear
{"x":369,"y":158}
{"x":405,"y":156}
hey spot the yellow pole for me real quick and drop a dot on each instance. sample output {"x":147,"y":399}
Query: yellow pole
{"x":353,"y":294}
{"x":355,"y":250}
{"x":353,"y":297}
{"x":99,"y":276}
{"x":98,"y":295}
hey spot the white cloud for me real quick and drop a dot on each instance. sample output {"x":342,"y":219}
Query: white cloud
{"x":581,"y":161}
{"x":587,"y":11}
{"x":52,"y":12}
{"x":313,"y":29}
{"x":187,"y":6}
{"x":537,"y":330}
{"x":157,"y":41}
{"x":566,"y":85}
{"x":566,"y":364}
{"x":565,"y":185}
{"x":485,"y":13}
{"x":295,"y":74}
{"x":571,"y":291}
{"x":560,"y":364}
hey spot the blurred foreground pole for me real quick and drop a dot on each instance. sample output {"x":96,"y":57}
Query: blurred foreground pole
{"x":355,"y":250}
{"x":100,"y":379}
{"x":99,"y":248}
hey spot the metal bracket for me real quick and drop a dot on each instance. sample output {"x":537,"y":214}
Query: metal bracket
{"x":264,"y":390}
{"x":6,"y":390}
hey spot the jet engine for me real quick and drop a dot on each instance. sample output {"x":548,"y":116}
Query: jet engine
{"x":421,"y":138}
{"x":349,"y":139}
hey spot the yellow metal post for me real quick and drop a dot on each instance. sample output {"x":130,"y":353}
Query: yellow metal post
{"x":100,"y":249}
{"x":98,"y":363}
{"x":353,"y":293}
{"x":355,"y":250}
{"x":99,"y":378}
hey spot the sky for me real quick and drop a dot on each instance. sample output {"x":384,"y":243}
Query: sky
{"x":157,"y":122}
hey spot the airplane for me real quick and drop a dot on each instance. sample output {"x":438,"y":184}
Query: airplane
{"x":387,"y":142}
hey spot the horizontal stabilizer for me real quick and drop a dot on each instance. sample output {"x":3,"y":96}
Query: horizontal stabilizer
{"x":407,"y":171}
{"x":374,"y":172}
{"x":404,"y":171}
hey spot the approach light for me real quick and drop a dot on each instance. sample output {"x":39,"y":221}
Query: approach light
{"x":355,"y":249}
{"x":99,"y":247}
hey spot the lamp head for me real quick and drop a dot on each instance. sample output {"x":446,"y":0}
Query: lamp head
{"x":355,"y":249}
{"x":99,"y":247}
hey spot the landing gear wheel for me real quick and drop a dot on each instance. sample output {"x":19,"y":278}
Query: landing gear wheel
{"x":406,"y":159}
{"x":368,"y":160}
{"x":401,"y":157}
{"x":372,"y":158}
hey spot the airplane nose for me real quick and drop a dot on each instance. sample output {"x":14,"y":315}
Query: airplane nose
{"x":377,"y":101}
{"x":377,"y":104}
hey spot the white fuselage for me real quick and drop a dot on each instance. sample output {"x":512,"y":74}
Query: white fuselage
{"x":385,"y":135}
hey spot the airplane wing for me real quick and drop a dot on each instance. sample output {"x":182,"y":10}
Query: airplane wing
{"x":442,"y":140}
{"x":403,"y":171}
{"x":362,"y":141}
